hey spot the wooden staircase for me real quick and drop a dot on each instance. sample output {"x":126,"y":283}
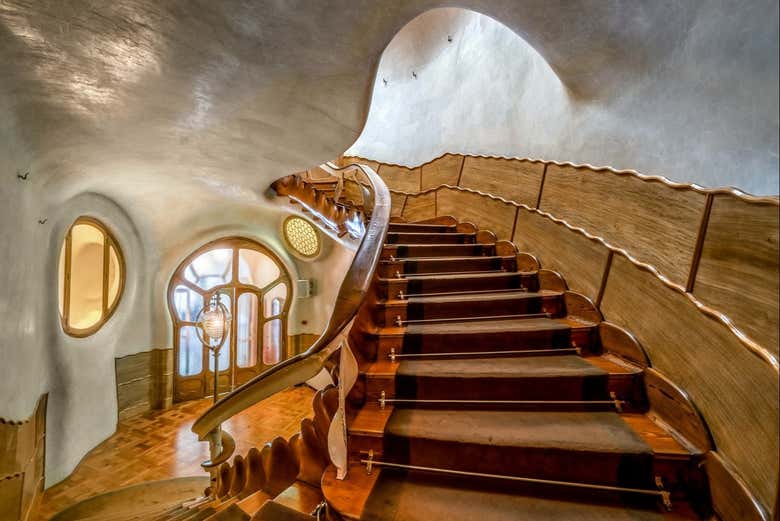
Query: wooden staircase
{"x":487,"y":391}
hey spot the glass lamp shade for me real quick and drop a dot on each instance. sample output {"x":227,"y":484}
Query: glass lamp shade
{"x":213,"y":321}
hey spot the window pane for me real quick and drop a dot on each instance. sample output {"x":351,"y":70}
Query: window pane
{"x":272,"y":342}
{"x":113,"y":276}
{"x":246,"y":330}
{"x":86,"y":276}
{"x":190,"y":352}
{"x":278,"y":292}
{"x":224,"y":352}
{"x":256,"y":268}
{"x":211,"y":269}
{"x":187,"y":303}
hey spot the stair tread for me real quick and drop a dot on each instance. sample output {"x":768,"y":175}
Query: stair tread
{"x":448,"y":258}
{"x":419,"y":498}
{"x":497,"y":296}
{"x":509,"y":367}
{"x":457,"y":276}
{"x":603,"y":432}
{"x":489,"y":326}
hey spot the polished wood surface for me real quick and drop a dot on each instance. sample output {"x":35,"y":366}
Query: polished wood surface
{"x":445,"y":170}
{"x":420,"y":207}
{"x":580,"y":260}
{"x":519,"y":181}
{"x":734,"y":390}
{"x":159,"y":445}
{"x":486,"y":213}
{"x":731,"y":499}
{"x":144,"y":381}
{"x":658,"y":225}
{"x":738,"y":271}
{"x":400,"y":178}
{"x":22,"y":453}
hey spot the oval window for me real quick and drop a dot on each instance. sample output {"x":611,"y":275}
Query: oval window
{"x":301,"y":236}
{"x":91,"y":277}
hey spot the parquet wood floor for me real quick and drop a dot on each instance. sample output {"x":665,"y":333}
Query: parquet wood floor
{"x":160,"y":445}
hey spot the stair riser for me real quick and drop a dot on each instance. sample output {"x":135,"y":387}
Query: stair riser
{"x":626,"y":388}
{"x":375,"y":347}
{"x":388,"y":269}
{"x":496,"y":341}
{"x":389,"y":288}
{"x":420,"y":228}
{"x":562,"y":464}
{"x":387,"y":315}
{"x":430,"y":238}
{"x":423,"y":250}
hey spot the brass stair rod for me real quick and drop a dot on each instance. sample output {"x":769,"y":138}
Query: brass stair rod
{"x":661,"y":493}
{"x":614,"y":401}
{"x":436,"y":274}
{"x":393,"y":355}
{"x":521,"y":289}
{"x":399,"y":322}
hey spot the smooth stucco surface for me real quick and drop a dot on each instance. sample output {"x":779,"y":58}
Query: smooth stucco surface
{"x":690,"y":91}
{"x":168,"y":119}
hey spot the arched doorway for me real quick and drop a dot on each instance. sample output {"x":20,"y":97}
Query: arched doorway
{"x":255,"y":287}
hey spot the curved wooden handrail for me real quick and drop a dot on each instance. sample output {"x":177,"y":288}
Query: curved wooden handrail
{"x":305,"y":365}
{"x":754,"y":347}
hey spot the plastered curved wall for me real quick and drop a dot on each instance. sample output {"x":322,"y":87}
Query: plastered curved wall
{"x":705,"y":111}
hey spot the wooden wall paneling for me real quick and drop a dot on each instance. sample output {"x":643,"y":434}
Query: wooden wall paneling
{"x":483,"y":211}
{"x":731,"y":499}
{"x":21,"y":463}
{"x":11,"y":497}
{"x":738,"y":270}
{"x":735,"y":390}
{"x":580,"y":260}
{"x":348,"y":160}
{"x":420,"y":207}
{"x":397,"y":202}
{"x":514,"y":179}
{"x":144,"y":382}
{"x":654,"y":222}
{"x":400,"y":178}
{"x":352,"y":192}
{"x":441,"y":171}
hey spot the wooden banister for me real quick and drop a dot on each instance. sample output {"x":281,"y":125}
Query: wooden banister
{"x":353,"y":290}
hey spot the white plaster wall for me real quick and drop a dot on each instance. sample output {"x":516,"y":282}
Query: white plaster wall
{"x":706,"y":112}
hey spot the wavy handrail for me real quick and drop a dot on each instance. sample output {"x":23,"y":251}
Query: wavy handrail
{"x":754,"y":347}
{"x":304,"y":366}
{"x":721,"y":190}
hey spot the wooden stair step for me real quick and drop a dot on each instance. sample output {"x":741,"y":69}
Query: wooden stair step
{"x":422,"y":228}
{"x":495,"y":334}
{"x":469,"y":305}
{"x":387,"y":495}
{"x":437,"y":250}
{"x":273,"y":511}
{"x":553,"y":378}
{"x":445,"y":265}
{"x":586,"y":447}
{"x":425,"y":284}
{"x":429,"y":238}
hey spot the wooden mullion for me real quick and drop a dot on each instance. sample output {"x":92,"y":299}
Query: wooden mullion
{"x":106,"y":261}
{"x":66,"y":282}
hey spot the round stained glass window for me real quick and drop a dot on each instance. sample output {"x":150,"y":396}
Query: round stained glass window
{"x":301,"y":236}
